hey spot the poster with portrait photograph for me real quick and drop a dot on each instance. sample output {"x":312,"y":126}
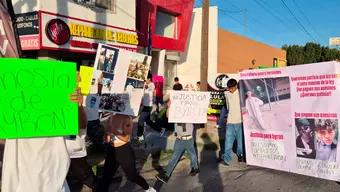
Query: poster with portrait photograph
{"x":290,"y":118}
{"x":118,"y":68}
{"x":120,"y":74}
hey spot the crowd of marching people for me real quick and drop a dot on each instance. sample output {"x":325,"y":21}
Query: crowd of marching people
{"x":58,"y":163}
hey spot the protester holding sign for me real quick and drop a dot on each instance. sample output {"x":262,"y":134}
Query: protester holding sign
{"x":38,"y":164}
{"x":79,"y":171}
{"x":184,"y":142}
{"x":234,"y":123}
{"x":118,"y":130}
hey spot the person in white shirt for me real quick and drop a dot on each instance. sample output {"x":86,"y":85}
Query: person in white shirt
{"x":234,"y":123}
{"x":92,"y":111}
{"x":147,"y":104}
{"x":79,"y":171}
{"x":37,"y":164}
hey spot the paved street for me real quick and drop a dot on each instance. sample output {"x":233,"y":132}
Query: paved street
{"x":238,"y":177}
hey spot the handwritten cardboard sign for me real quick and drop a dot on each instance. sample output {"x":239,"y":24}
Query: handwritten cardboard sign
{"x":35,"y":98}
{"x":188,"y":106}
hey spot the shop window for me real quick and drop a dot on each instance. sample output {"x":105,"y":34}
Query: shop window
{"x":102,"y":4}
{"x":166,"y":25}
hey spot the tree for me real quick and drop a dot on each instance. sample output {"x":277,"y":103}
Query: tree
{"x":310,"y":53}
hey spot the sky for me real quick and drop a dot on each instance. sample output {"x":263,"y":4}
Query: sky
{"x":280,"y":22}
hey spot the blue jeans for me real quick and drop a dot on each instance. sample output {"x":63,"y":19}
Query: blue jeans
{"x":180,"y":147}
{"x":220,"y":121}
{"x":234,"y":131}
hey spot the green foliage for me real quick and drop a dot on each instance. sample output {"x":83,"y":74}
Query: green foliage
{"x":310,"y":53}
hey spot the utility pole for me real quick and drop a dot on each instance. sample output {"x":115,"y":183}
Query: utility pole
{"x":205,"y":45}
{"x":205,"y":48}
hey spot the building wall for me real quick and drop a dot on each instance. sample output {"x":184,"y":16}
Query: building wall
{"x":147,"y":20}
{"x":236,"y":53}
{"x":124,"y":15}
{"x":189,"y":66}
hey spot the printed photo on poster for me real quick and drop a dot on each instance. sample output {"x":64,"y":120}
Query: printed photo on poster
{"x":107,"y":59}
{"x":114,"y":102}
{"x":103,"y":78}
{"x":305,"y":138}
{"x":133,"y":83}
{"x":326,"y":131}
{"x":127,"y":103}
{"x":317,"y":139}
{"x":265,"y":102}
{"x":139,"y":67}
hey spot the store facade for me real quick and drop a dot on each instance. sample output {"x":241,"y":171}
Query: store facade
{"x":70,"y":30}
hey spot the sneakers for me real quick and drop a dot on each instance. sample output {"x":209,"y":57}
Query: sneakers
{"x":241,"y":159}
{"x":151,"y":189}
{"x":224,"y":163}
{"x":162,"y":177}
{"x":193,"y":172}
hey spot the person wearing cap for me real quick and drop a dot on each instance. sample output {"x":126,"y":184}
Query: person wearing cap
{"x":305,"y":141}
{"x":326,"y":144}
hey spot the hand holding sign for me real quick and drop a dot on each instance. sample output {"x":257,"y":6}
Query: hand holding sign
{"x":35,"y":98}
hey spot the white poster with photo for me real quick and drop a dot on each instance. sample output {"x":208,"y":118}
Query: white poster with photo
{"x":120,"y":74}
{"x":188,"y":106}
{"x":115,"y":67}
{"x":290,"y":118}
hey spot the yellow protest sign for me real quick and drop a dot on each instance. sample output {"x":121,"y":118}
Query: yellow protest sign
{"x":86,"y":77}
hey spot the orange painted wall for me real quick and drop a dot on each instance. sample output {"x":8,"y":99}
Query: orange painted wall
{"x":236,"y":53}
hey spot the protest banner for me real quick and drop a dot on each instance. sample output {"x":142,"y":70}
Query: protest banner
{"x":35,"y":98}
{"x":86,"y":78}
{"x":188,"y":106}
{"x":290,"y":118}
{"x":122,"y":74}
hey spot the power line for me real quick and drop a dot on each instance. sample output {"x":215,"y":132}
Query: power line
{"x":268,"y":10}
{"x":224,"y":12}
{"x":245,"y":11}
{"x":301,"y":12}
{"x":296,"y":19}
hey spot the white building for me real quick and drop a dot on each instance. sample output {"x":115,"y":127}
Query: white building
{"x":189,"y":66}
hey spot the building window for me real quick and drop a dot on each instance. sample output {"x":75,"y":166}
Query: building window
{"x":166,"y":25}
{"x":99,"y":4}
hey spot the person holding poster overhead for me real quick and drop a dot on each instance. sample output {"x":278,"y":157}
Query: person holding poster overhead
{"x":234,"y":123}
{"x":38,"y":164}
{"x":253,"y":105}
{"x":118,"y":130}
{"x":326,"y":143}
